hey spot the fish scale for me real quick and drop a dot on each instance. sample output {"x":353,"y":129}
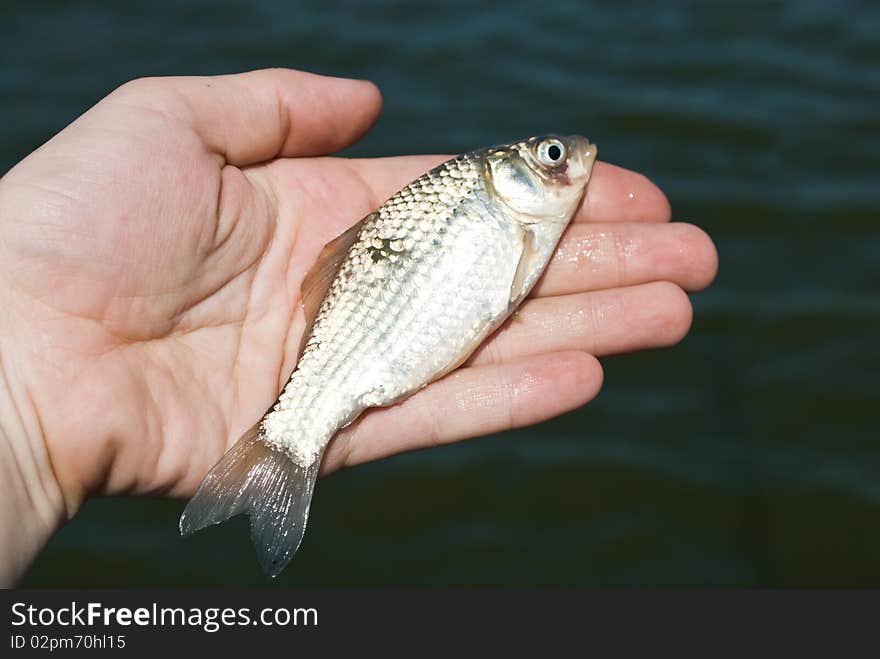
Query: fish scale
{"x":403,"y":339}
{"x":393,"y":304}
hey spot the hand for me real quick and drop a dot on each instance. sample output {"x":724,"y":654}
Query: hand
{"x":150,"y":262}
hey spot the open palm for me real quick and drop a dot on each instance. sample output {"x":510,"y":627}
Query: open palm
{"x":152,"y":254}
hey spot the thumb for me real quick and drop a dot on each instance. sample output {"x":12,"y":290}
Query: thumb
{"x":260,"y":115}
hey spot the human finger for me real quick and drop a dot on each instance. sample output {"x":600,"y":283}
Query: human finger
{"x":259,"y":115}
{"x":593,"y":256}
{"x":614,"y":194}
{"x":601,"y":323}
{"x":471,"y":402}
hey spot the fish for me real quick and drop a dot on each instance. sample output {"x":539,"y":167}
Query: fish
{"x":399,"y":300}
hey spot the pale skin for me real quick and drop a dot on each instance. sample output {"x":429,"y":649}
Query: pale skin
{"x":150,"y":261}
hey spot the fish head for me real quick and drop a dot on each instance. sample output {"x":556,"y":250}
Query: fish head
{"x":541,"y":179}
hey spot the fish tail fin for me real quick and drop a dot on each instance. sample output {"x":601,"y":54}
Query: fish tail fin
{"x":266,"y":484}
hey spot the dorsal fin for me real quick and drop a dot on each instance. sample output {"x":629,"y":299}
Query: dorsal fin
{"x":318,"y":279}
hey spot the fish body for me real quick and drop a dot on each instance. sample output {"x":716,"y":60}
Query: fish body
{"x":399,"y":300}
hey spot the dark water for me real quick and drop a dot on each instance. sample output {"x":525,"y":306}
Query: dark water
{"x":748,"y":455}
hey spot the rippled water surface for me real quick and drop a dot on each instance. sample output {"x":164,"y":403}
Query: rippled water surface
{"x":747,"y":455}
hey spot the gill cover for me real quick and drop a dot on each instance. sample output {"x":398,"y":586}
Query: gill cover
{"x":542,"y":178}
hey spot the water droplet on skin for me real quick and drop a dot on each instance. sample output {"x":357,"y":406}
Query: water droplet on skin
{"x":527,"y":383}
{"x":596,"y":252}
{"x":586,"y":251}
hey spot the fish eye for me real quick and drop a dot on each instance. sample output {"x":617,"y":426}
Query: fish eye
{"x":550,"y":152}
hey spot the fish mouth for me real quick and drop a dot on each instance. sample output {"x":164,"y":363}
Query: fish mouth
{"x":582,"y":157}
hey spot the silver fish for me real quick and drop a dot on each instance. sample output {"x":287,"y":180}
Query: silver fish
{"x":399,"y":300}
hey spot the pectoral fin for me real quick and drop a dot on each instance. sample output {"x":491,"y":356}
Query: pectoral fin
{"x":527,"y":270}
